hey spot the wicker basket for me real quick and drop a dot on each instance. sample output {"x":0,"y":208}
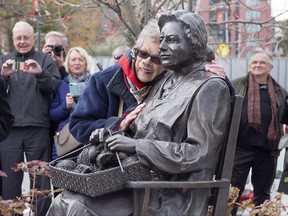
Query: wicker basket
{"x":101,"y":182}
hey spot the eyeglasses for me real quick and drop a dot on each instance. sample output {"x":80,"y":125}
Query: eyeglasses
{"x":25,"y":38}
{"x":260,"y":62}
{"x":117,"y":56}
{"x":145,"y":55}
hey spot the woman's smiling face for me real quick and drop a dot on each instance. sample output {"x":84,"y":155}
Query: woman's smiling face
{"x":147,"y":70}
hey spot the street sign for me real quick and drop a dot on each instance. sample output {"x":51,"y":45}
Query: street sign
{"x":223,"y":50}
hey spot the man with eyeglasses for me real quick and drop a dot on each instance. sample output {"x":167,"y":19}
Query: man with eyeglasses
{"x":260,"y":129}
{"x":119,"y":52}
{"x":31,"y":78}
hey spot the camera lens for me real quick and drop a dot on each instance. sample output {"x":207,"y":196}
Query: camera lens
{"x":57,"y":49}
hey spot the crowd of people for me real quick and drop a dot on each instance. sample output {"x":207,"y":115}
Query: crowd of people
{"x":166,"y":101}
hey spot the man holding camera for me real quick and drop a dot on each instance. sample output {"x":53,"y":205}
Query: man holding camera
{"x":56,"y":45}
{"x":31,"y":78}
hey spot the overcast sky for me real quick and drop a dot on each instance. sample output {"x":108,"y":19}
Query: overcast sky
{"x":279,"y":6}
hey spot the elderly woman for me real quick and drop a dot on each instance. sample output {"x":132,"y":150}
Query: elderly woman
{"x":180,"y":130}
{"x":78,"y":66}
{"x":122,"y":85}
{"x":127,"y":81}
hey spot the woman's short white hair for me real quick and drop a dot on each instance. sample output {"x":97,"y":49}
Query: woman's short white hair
{"x":83,"y":53}
{"x":150,"y":32}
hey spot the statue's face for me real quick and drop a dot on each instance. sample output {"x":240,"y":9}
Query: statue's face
{"x":175,"y":48}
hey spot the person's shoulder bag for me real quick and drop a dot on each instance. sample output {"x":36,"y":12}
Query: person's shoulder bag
{"x":65,"y":142}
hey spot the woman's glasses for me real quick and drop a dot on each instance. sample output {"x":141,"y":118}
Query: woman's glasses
{"x":145,"y":55}
{"x":117,"y":56}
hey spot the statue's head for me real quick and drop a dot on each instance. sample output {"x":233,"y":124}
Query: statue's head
{"x":184,"y":34}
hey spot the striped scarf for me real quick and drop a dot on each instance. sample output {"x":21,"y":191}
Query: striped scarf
{"x":254,"y":111}
{"x":138,"y":89}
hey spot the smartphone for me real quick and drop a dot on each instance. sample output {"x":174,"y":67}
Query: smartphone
{"x":20,"y":66}
{"x":73,"y":89}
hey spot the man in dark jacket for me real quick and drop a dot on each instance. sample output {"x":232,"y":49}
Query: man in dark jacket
{"x":31,"y":78}
{"x":260,"y":129}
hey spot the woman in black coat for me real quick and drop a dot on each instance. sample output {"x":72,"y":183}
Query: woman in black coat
{"x":6,"y":118}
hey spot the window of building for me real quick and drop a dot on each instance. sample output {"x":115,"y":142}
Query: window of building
{"x":253,"y":42}
{"x":252,"y":2}
{"x":212,"y":16}
{"x":214,"y":2}
{"x":252,"y":28}
{"x":217,"y":15}
{"x":253,"y":14}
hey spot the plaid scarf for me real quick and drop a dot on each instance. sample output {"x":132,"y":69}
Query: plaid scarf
{"x":254,"y":111}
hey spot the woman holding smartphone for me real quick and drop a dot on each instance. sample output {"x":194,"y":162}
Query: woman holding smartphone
{"x":78,"y":65}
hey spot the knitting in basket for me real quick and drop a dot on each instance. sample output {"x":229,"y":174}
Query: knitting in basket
{"x":97,"y":171}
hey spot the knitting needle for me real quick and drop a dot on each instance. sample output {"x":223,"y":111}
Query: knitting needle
{"x":117,"y":155}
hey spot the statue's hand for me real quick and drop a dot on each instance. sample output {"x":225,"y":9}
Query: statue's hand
{"x":99,"y":136}
{"x":122,"y":143}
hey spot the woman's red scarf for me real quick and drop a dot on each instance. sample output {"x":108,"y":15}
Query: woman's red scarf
{"x":128,"y":66}
{"x":138,"y":89}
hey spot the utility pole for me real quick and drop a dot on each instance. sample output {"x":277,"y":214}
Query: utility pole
{"x":226,"y":26}
{"x":37,"y":14}
{"x":38,"y":33}
{"x":190,"y":5}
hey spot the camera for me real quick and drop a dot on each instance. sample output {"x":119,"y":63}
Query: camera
{"x":57,"y":49}
{"x":17,"y":66}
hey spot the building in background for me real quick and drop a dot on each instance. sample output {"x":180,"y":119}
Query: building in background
{"x":237,"y":27}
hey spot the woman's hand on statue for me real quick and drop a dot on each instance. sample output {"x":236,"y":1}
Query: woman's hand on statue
{"x":122,"y":143}
{"x":215,"y":69}
{"x":130,"y":117}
